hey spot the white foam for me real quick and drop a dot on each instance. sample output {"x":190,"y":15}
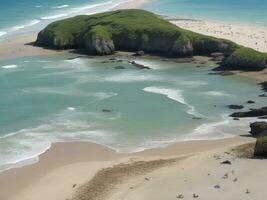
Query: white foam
{"x":87,"y":7}
{"x":38,"y":6}
{"x":62,"y":6}
{"x":193,"y":84}
{"x":174,"y":94}
{"x":54,"y":16}
{"x":71,"y":109}
{"x":9,"y":66}
{"x":217,"y":93}
{"x":31,"y":23}
{"x":2,"y":33}
{"x":131,"y":77}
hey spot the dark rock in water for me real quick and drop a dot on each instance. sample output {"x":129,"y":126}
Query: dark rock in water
{"x":264,"y":86}
{"x":236,"y":119}
{"x":263,"y":95}
{"x":250,"y":102}
{"x":252,"y":113}
{"x":197,"y":118}
{"x":261,"y":146}
{"x":226,"y":162}
{"x":236,"y":107}
{"x":139,"y":53}
{"x":222,"y":73}
{"x":106,"y":110}
{"x":257,"y":128}
{"x":140,"y":66}
{"x":263,"y":117}
{"x":119,"y":67}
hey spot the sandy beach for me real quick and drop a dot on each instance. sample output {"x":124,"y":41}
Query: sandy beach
{"x":67,"y":166}
{"x":247,"y":35}
{"x":185,"y":170}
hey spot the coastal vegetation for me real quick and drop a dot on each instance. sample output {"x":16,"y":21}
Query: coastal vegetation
{"x":140,"y":30}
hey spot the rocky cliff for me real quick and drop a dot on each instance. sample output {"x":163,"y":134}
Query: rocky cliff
{"x":139,"y":30}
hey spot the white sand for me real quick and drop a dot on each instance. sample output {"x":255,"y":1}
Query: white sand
{"x":199,"y":175}
{"x":247,"y":35}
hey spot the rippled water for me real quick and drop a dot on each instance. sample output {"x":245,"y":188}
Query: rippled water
{"x":69,"y":98}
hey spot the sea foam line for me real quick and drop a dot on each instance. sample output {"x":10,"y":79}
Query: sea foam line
{"x":9,"y":66}
{"x":31,"y":23}
{"x":174,"y":94}
{"x":62,"y":6}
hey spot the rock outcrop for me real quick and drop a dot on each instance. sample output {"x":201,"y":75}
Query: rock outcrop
{"x":261,"y":146}
{"x":142,"y":31}
{"x":258,"y":128}
{"x":252,"y":113}
{"x":236,"y":107}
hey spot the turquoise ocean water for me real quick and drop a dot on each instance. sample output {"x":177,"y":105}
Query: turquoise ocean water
{"x":46,"y":99}
{"x":61,"y":98}
{"x":244,"y":11}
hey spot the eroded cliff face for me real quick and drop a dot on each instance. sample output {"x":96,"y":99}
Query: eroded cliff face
{"x":243,"y":63}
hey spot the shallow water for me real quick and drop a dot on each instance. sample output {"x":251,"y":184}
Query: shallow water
{"x":49,"y":99}
{"x":245,"y":11}
{"x":17,"y":17}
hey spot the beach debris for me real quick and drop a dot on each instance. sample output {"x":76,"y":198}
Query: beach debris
{"x":217,"y":186}
{"x":180,"y":196}
{"x":225,"y":176}
{"x":247,"y":191}
{"x":106,"y":110}
{"x":147,"y":179}
{"x":226,"y":162}
{"x":208,"y":174}
{"x":195,"y":196}
{"x":74,"y":185}
{"x":131,"y":188}
{"x":235,"y":180}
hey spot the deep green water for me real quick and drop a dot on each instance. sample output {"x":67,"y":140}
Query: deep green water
{"x":51,"y":99}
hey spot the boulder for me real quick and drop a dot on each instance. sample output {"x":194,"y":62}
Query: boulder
{"x":250,"y":102}
{"x":252,"y":113}
{"x":261,"y":146}
{"x":237,"y":107}
{"x":139,"y":66}
{"x":263,"y":95}
{"x":264,"y":86}
{"x":258,"y":128}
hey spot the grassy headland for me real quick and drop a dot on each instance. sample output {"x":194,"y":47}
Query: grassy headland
{"x":135,"y":30}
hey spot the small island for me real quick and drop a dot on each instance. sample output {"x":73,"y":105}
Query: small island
{"x":140,"y":30}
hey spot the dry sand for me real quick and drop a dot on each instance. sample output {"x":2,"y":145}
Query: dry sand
{"x":247,"y":35}
{"x":70,"y":169}
{"x":19,"y":46}
{"x":67,"y":166}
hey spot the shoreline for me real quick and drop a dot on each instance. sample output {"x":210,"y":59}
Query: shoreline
{"x":75,"y":159}
{"x":46,"y":179}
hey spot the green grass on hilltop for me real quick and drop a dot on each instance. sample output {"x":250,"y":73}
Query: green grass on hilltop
{"x":134,"y":30}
